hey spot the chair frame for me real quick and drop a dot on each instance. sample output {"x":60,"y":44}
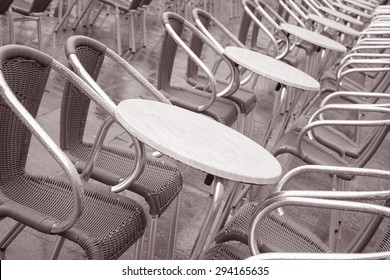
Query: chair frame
{"x":64,"y":228}
{"x":140,"y":161}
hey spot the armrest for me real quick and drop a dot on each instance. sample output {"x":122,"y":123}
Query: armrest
{"x":101,"y":98}
{"x":382,"y":65}
{"x":193,"y":57}
{"x":285,"y":199}
{"x":319,"y":256}
{"x":59,"y":156}
{"x":271,"y":35}
{"x":198,"y":23}
{"x":356,"y":123}
{"x":336,"y":94}
{"x":135,"y":74}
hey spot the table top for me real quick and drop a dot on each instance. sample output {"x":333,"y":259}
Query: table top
{"x":341,"y":15}
{"x":351,"y":10}
{"x":198,"y":141}
{"x":313,"y":37}
{"x":272,"y":68}
{"x":359,"y":4}
{"x":334,"y":25}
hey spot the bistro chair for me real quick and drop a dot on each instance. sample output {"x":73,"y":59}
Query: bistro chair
{"x":4,"y":10}
{"x":103,"y":223}
{"x":243,"y":97}
{"x":210,"y":102}
{"x":128,"y":9}
{"x":33,"y":12}
{"x":266,"y":231}
{"x":160,"y":182}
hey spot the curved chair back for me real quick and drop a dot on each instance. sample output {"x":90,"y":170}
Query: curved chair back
{"x":53,"y":204}
{"x":75,"y":105}
{"x":168,"y":54}
{"x":14,"y":136}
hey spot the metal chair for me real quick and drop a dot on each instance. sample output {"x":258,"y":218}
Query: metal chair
{"x":266,"y":231}
{"x":208,"y":102}
{"x":243,"y":97}
{"x":33,"y":12}
{"x":4,"y":9}
{"x":126,"y":8}
{"x":103,"y":223}
{"x":160,"y":182}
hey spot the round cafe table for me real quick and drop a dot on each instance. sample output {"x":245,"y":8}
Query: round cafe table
{"x":275,"y":70}
{"x":334,"y":25}
{"x":328,"y":50}
{"x":201,"y":143}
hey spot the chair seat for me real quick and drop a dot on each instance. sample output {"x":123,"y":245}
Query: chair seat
{"x":278,"y":233}
{"x":108,"y":226}
{"x":159,"y":184}
{"x":222,"y":110}
{"x":245,"y":99}
{"x":332,"y":138}
{"x":225,"y":251}
{"x":123,"y":6}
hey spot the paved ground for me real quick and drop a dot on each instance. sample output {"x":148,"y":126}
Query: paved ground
{"x":33,"y":245}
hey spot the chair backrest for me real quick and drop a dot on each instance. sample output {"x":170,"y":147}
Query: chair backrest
{"x":168,"y":53}
{"x":146,"y":2}
{"x":135,"y":4}
{"x":39,"y":6}
{"x":268,"y":21}
{"x":4,"y":6}
{"x":26,"y":74}
{"x":75,"y":105}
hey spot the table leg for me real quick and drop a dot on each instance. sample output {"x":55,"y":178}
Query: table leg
{"x":275,"y":114}
{"x":216,"y":194}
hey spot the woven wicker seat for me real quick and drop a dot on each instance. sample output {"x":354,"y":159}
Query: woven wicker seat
{"x":160,"y":182}
{"x":103,"y":223}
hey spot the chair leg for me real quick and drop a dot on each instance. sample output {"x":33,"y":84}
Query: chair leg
{"x":173,"y":230}
{"x":152,"y":237}
{"x":39,"y":26}
{"x":139,"y":248}
{"x":143,"y":18}
{"x":11,"y":27}
{"x":251,"y":122}
{"x":336,"y":216}
{"x":57,"y":247}
{"x":11,"y":235}
{"x":83,"y":13}
{"x":118,"y":31}
{"x":97,"y":15}
{"x":131,"y":32}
